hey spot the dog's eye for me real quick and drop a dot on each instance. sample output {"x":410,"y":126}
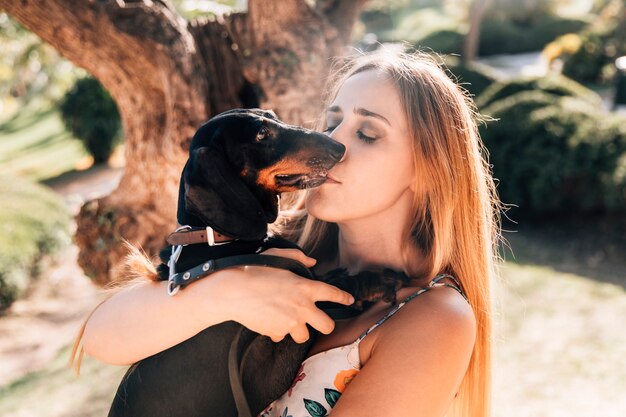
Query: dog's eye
{"x":263,"y":133}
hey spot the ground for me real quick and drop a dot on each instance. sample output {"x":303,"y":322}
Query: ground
{"x":49,"y":316}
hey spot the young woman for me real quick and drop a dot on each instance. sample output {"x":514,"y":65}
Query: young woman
{"x":413,"y":192}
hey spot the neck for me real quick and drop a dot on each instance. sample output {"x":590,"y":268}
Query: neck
{"x":376,"y":240}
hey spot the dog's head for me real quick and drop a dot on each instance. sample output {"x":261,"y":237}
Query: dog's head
{"x":239,"y":161}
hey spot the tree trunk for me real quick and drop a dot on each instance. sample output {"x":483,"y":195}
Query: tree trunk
{"x":477,"y":11}
{"x":167,"y":77}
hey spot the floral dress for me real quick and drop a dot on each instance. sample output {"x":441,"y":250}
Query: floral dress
{"x":323,"y":377}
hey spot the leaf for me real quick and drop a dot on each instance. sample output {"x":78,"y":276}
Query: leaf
{"x":314,"y":408}
{"x":332,"y":395}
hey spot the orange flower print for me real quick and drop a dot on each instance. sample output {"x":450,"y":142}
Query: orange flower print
{"x":343,"y":378}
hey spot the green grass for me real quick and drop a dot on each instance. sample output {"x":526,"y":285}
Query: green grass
{"x":35,"y":145}
{"x":34,"y":222}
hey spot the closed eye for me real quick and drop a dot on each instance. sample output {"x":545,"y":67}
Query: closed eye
{"x":360,"y":135}
{"x":364,"y":137}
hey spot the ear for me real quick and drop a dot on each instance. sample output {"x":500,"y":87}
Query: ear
{"x":219,"y":197}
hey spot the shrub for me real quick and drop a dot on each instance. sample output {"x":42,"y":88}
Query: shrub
{"x":589,"y":55}
{"x":34,"y":222}
{"x":474,"y":77}
{"x":414,"y":24}
{"x":594,"y":60}
{"x":89,"y":112}
{"x":553,"y":84}
{"x":506,"y":37}
{"x":555,"y":154}
{"x":444,"y":41}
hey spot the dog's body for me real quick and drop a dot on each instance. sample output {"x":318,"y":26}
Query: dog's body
{"x":230,"y":183}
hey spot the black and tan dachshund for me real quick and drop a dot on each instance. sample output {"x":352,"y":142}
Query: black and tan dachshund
{"x":239,"y":162}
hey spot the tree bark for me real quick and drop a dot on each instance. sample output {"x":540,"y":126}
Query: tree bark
{"x":167,"y":77}
{"x":477,"y":11}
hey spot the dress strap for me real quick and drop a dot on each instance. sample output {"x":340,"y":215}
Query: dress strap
{"x":433,"y":283}
{"x":457,"y":285}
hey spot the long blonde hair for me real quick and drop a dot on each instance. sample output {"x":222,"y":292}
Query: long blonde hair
{"x":455,"y":214}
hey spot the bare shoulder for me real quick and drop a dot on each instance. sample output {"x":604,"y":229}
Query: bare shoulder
{"x":417,"y":358}
{"x":440,"y":316}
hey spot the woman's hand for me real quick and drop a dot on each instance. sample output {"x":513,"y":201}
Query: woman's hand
{"x":276,"y":302}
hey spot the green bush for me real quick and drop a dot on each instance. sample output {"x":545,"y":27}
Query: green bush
{"x":506,"y":37}
{"x":506,"y":29}
{"x":594,"y":61}
{"x":34,"y":222}
{"x":445,"y":41}
{"x":556,"y":154}
{"x":553,"y":84}
{"x":414,"y":24}
{"x":475,"y":78}
{"x":598,"y":46}
{"x":90,"y":113}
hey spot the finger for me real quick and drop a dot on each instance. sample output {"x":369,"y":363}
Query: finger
{"x":300,"y":334}
{"x":321,"y":321}
{"x":291,"y":253}
{"x":277,"y":339}
{"x":327,"y":292}
{"x":298,"y":255}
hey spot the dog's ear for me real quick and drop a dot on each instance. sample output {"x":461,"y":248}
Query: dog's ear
{"x":219,"y":198}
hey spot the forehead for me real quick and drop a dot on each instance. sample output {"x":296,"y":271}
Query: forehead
{"x":373,"y":91}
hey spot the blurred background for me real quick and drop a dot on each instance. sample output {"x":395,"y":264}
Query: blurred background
{"x":77,"y":125}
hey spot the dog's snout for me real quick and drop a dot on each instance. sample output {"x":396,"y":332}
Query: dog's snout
{"x":338,"y":150}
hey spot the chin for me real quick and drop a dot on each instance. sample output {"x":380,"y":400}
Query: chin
{"x":319,"y":208}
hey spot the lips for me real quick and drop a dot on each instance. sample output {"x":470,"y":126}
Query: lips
{"x":332,"y":180}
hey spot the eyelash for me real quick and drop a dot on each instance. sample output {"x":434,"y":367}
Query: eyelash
{"x":363,"y":137}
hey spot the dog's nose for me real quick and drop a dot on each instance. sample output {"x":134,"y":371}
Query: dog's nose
{"x":338,"y":151}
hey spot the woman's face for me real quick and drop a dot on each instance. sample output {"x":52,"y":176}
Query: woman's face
{"x":377,"y":168}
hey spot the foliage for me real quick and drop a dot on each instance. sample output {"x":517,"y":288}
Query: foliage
{"x":34,"y":222}
{"x":517,"y":12}
{"x":29,"y":68}
{"x":589,"y":55}
{"x":90,"y":113}
{"x":474,"y":77}
{"x":510,"y":37}
{"x":445,"y":41}
{"x":553,"y":84}
{"x":505,"y":29}
{"x":36,"y":146}
{"x":556,"y":154}
{"x":414,"y":24}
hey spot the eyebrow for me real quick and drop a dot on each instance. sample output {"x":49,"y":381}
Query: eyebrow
{"x":360,"y":111}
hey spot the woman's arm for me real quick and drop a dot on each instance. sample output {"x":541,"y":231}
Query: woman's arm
{"x":417,"y":361}
{"x":142,"y":320}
